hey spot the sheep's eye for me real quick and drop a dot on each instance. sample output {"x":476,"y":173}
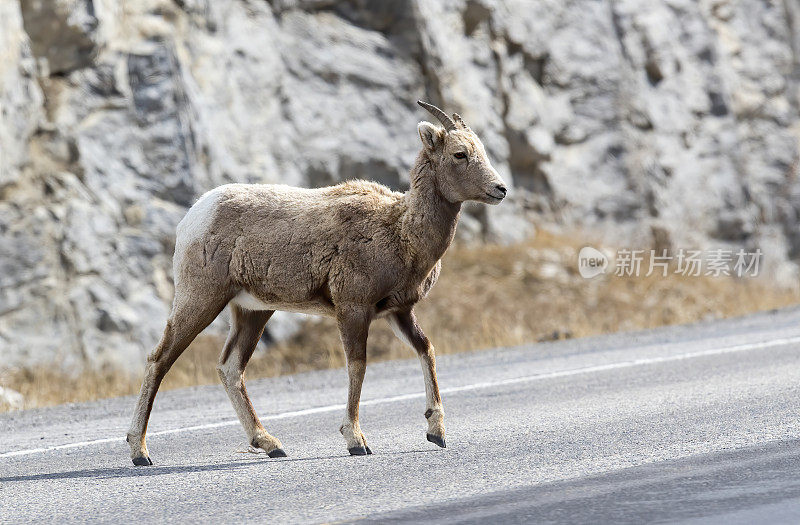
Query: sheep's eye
{"x":460,"y":155}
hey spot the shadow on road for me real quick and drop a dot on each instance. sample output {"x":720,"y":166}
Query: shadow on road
{"x":750,"y":485}
{"x":128,"y":471}
{"x":156,"y":470}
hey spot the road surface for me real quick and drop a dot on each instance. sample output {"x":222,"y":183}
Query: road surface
{"x":692,"y":424}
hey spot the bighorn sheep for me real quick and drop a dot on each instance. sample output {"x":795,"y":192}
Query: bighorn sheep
{"x":356,"y":251}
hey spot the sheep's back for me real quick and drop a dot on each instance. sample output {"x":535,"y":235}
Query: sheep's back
{"x":294,"y":243}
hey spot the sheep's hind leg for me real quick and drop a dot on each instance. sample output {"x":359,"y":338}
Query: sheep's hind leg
{"x":353,"y":327}
{"x":246,"y":329}
{"x":184,"y":323}
{"x":404,"y":325}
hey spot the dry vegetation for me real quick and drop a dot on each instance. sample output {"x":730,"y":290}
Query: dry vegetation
{"x":487,"y":296}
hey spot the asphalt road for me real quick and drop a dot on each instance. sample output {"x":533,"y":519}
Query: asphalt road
{"x":690,"y":424}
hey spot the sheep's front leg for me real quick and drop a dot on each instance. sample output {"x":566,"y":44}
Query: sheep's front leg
{"x":405,"y":327}
{"x":353,"y":327}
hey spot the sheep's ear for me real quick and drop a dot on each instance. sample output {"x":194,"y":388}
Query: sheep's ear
{"x":430,"y":135}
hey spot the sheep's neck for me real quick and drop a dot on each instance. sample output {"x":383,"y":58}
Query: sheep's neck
{"x":429,"y":222}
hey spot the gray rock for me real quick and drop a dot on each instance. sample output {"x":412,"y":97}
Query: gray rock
{"x":62,"y":32}
{"x":20,"y":96}
{"x":658,"y":122}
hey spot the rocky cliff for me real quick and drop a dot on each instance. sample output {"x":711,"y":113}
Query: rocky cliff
{"x":645,"y":121}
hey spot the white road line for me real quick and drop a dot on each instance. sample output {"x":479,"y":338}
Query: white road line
{"x":452,"y":390}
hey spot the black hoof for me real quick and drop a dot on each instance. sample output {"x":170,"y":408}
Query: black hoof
{"x":369,"y":450}
{"x":436,"y":440}
{"x":143,"y":461}
{"x":357,"y":451}
{"x":277,"y":453}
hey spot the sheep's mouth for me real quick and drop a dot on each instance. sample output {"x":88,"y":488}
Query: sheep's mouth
{"x":494,"y":197}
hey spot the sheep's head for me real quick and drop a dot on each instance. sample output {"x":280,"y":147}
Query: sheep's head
{"x":463,"y":171}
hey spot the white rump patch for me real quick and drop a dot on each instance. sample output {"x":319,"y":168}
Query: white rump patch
{"x":195,"y":224}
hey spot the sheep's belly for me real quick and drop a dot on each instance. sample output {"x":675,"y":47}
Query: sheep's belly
{"x":249,"y":302}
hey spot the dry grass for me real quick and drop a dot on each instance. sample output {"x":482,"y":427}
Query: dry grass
{"x":487,"y":296}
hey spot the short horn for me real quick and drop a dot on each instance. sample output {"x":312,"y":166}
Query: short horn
{"x":460,"y":121}
{"x":446,"y":121}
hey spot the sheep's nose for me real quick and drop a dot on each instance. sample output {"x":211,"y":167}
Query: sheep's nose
{"x":502,"y":189}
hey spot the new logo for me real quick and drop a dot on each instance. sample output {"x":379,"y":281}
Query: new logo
{"x":591,"y":262}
